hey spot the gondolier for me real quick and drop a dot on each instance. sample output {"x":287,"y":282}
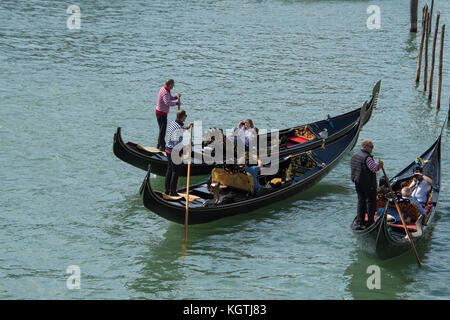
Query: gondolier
{"x":363,"y":174}
{"x":174,"y":137}
{"x":163,"y":104}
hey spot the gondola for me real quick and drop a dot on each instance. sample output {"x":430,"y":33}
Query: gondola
{"x":141,"y":157}
{"x":300,"y":171}
{"x":386,"y":239}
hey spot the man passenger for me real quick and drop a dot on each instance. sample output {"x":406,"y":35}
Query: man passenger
{"x":420,"y":186}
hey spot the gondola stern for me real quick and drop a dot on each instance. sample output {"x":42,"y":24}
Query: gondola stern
{"x":375,"y":93}
{"x":118,"y":135}
{"x":370,"y":106}
{"x":376,"y":88}
{"x":146,"y":184}
{"x":118,"y":144}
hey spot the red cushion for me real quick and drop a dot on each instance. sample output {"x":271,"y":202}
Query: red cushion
{"x":291,"y":144}
{"x":410,"y":226}
{"x":298,"y":139}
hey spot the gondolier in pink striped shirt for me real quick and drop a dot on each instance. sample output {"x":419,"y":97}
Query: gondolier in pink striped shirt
{"x":363,"y":174}
{"x":163,"y":104}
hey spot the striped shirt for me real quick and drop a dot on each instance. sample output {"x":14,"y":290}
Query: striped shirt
{"x":372,"y":165}
{"x":174,"y":135}
{"x":165,"y":101}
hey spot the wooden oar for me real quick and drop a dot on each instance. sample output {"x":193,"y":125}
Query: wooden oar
{"x":401,"y":218}
{"x":179,"y":104}
{"x":186,"y":215}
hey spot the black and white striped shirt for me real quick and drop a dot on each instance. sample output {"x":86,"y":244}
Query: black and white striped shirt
{"x":174,"y":135}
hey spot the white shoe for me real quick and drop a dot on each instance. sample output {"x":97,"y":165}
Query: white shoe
{"x":418,"y":233}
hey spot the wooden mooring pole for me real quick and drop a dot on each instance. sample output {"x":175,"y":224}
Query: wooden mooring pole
{"x":448,"y":116}
{"x":413,"y":7}
{"x":431,"y":16}
{"x":441,"y":56}
{"x":422,"y":35}
{"x":427,"y":37}
{"x":433,"y":57}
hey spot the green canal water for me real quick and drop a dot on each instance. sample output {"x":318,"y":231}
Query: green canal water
{"x":67,"y":200}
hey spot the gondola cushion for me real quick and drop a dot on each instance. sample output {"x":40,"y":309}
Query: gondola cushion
{"x":304,"y":132}
{"x":298,"y":139}
{"x":239,"y":180}
{"x":411,"y":227}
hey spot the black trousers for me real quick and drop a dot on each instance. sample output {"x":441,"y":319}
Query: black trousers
{"x":367,"y":203}
{"x":172,"y":174}
{"x":162,"y":123}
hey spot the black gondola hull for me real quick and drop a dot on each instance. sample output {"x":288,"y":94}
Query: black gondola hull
{"x":176,"y":213}
{"x":128,"y":152}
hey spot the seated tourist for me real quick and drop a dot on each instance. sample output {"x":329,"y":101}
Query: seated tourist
{"x":240,"y":132}
{"x":409,"y":214}
{"x":251,"y":133}
{"x":382,"y":192}
{"x":406,"y":194}
{"x":420,"y":186}
{"x":250,"y":126}
{"x":383,"y":187}
{"x":382,"y":198}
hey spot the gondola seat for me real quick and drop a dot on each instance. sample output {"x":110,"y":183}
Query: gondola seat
{"x":410,"y":208}
{"x":305,"y":133}
{"x":239,"y":180}
{"x":293,"y":141}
